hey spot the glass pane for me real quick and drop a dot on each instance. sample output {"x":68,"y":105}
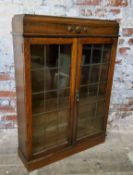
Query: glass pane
{"x":88,"y":94}
{"x":64,"y":58}
{"x":37,"y":56}
{"x":86,"y":111}
{"x":89,"y":127}
{"x":63,"y":127}
{"x":104,"y":73}
{"x":106,"y":56}
{"x":51,"y":53}
{"x":56,"y":131}
{"x":50,"y":130}
{"x":90,"y":74}
{"x":38,"y":103}
{"x":39,"y":124}
{"x":63,"y":77}
{"x":102,"y":90}
{"x":51,"y":101}
{"x":95,"y":74}
{"x":86,"y":58}
{"x":97,"y":53}
{"x":37,"y":85}
{"x":100,"y":109}
{"x":107,"y":53}
{"x":50,"y":75}
{"x":63,"y":120}
{"x":92,"y":91}
{"x":64,"y":98}
{"x":84,"y":77}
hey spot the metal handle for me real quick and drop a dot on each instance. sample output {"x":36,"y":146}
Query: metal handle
{"x":70,"y":28}
{"x":77,"y":95}
{"x":85,"y":29}
{"x":78,"y":29}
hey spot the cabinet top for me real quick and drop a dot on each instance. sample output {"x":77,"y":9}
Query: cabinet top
{"x":48,"y":26}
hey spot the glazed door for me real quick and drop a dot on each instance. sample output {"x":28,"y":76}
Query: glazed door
{"x":51,"y":71}
{"x":91,"y":85}
{"x":68,"y":81}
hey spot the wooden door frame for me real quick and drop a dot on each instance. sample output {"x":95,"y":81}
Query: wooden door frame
{"x":80,"y":43}
{"x":28,"y":97}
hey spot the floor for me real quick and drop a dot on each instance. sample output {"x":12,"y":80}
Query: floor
{"x":114,"y":157}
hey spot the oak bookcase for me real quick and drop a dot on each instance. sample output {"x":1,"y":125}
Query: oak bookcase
{"x":64,"y":70}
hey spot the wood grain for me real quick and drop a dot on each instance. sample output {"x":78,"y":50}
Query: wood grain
{"x":34,"y":25}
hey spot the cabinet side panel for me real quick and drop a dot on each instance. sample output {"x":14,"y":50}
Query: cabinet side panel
{"x":20,"y":91}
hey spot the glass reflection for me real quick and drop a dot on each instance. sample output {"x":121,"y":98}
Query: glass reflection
{"x":50,"y":75}
{"x":92,"y":92}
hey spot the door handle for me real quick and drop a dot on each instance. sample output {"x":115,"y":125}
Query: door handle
{"x":77,"y":95}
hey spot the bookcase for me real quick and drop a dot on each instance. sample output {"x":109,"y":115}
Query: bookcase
{"x":64,"y":70}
